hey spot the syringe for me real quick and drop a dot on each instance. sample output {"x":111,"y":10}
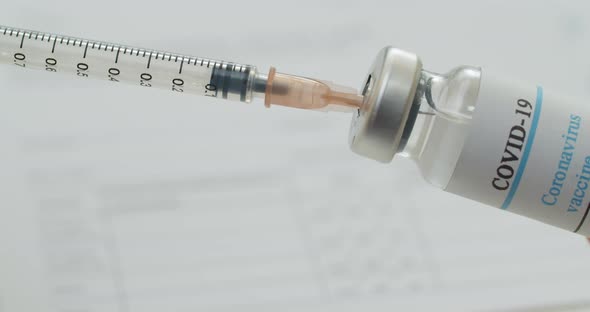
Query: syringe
{"x":156,"y":69}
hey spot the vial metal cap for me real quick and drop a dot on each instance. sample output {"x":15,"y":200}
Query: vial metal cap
{"x":377,"y":127}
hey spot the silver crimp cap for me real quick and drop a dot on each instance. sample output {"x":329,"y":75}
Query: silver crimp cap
{"x":389,"y":90}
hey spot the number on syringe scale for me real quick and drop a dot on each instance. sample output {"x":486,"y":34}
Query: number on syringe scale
{"x":19,"y":60}
{"x":50,"y":64}
{"x":145,"y":80}
{"x":211,"y":88}
{"x":82,"y":69}
{"x":113,"y":73}
{"x":177,"y":85}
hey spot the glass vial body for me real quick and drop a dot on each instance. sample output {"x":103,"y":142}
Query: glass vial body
{"x":439,"y":129}
{"x":522,"y":149}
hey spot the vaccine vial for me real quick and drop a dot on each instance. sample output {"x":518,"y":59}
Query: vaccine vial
{"x":476,"y":134}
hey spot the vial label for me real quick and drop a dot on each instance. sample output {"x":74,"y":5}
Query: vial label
{"x":528,"y":152}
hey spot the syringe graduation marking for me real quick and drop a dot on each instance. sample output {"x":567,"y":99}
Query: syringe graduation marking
{"x":95,"y":45}
{"x":216,"y":76}
{"x":149,"y":60}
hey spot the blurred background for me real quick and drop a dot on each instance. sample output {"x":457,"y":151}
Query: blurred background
{"x":115,"y":198}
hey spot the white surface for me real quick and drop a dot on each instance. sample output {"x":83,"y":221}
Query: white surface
{"x":120,"y":199}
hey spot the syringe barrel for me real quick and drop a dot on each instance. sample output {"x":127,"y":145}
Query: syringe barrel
{"x":118,"y":63}
{"x":179,"y":73}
